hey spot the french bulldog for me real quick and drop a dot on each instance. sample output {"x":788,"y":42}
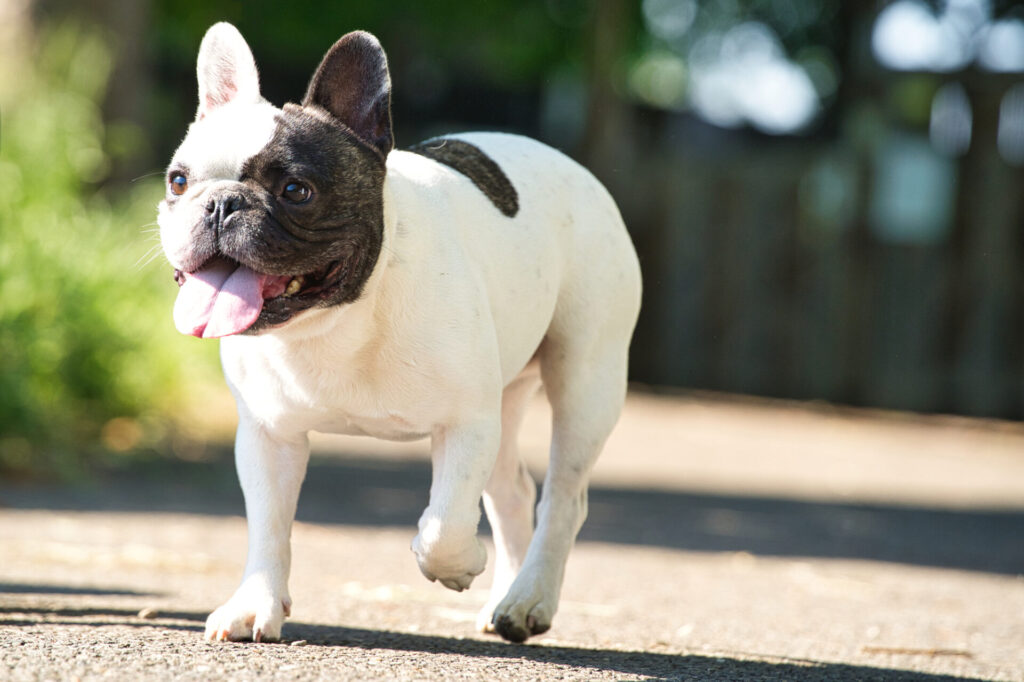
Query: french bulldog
{"x":359,"y":289}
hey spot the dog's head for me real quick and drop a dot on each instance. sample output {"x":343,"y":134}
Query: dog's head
{"x":270,"y":212}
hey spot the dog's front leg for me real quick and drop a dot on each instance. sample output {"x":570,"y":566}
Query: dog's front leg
{"x":270,"y":468}
{"x":447,"y":547}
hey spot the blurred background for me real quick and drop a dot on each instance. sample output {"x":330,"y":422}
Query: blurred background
{"x":825,"y":196}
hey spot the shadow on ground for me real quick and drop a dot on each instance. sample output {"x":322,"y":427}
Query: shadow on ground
{"x":26,"y":588}
{"x":628,"y":663}
{"x":376,"y":492}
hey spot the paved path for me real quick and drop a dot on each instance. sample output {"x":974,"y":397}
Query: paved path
{"x":727,"y":540}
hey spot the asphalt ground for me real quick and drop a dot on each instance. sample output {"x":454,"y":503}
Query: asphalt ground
{"x":727,"y":539}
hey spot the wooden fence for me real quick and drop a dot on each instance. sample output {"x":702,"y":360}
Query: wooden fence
{"x":770,"y":269}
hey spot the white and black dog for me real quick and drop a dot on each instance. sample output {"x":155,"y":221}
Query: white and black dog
{"x":398,"y":294}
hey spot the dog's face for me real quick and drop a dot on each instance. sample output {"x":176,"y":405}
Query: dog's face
{"x":270,"y":212}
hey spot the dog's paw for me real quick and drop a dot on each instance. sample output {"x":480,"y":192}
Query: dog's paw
{"x":454,"y":566}
{"x":248,"y":616}
{"x":522,"y":613}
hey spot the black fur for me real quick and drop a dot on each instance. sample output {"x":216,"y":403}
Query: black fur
{"x":353,"y":84}
{"x":342,"y":224}
{"x":475,"y":165}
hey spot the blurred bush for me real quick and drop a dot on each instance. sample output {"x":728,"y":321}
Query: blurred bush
{"x":90,"y":363}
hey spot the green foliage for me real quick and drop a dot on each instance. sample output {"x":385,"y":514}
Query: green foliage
{"x":86,"y":341}
{"x":508,"y":42}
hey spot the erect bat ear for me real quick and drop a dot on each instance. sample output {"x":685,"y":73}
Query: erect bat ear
{"x":353,"y":83}
{"x":226,"y":69}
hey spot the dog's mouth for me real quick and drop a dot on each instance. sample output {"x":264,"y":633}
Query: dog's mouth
{"x":224,"y":297}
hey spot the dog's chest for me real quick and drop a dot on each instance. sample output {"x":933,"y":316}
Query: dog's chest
{"x":387,"y":426}
{"x":298,"y":391}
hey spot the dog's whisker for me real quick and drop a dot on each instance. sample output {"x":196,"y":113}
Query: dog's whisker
{"x":149,"y":261}
{"x":145,"y":259}
{"x":147,"y":175}
{"x":143,"y":262}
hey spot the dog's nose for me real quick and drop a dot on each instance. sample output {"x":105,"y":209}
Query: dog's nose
{"x":218,"y":208}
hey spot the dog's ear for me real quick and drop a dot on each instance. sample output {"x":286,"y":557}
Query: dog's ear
{"x":226,"y":70}
{"x":353,"y":84}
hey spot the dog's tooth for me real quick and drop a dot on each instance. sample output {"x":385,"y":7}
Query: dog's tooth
{"x":293,"y":286}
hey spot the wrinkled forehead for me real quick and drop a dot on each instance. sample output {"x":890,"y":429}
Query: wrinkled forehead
{"x":218,"y":146}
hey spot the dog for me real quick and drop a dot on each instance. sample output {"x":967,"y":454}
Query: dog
{"x":359,"y":289}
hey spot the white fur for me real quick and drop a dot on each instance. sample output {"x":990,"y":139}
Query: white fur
{"x":465,"y":313}
{"x":232,"y":124}
{"x":215,"y":147}
{"x":225,"y":69}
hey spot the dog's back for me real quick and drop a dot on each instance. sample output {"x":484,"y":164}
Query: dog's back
{"x":548,"y":242}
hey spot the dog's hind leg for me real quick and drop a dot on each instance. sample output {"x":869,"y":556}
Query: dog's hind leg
{"x":585,"y":379}
{"x":510,"y":493}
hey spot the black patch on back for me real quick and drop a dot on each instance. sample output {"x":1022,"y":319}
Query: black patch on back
{"x":475,"y":165}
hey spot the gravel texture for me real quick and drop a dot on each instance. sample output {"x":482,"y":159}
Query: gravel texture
{"x":727,"y":540}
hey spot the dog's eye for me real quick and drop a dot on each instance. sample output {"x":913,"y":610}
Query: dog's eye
{"x":297,"y":192}
{"x":178,"y":183}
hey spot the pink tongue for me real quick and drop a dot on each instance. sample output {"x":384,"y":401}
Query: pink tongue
{"x":221,"y":299}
